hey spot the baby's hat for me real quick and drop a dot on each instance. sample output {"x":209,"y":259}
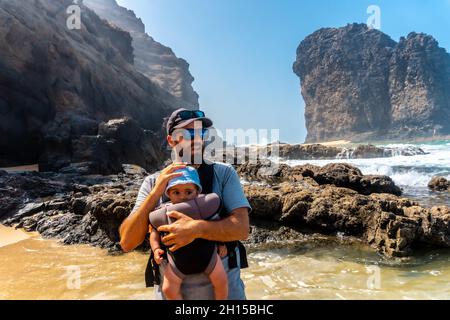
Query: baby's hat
{"x":190,"y":175}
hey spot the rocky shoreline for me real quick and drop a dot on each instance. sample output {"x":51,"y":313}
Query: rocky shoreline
{"x":288,"y":203}
{"x":322,"y":152}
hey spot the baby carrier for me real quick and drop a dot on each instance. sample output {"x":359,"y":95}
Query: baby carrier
{"x":202,"y":251}
{"x":152,"y":276}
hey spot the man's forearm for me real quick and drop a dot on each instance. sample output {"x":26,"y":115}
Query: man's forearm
{"x":134,"y":228}
{"x":233,"y":228}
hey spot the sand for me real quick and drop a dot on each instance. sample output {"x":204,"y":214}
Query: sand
{"x":10,"y":236}
{"x":33,"y":167}
{"x":337,"y":143}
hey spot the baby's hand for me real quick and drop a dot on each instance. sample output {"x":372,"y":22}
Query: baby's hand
{"x":222,"y":250}
{"x":159,"y":253}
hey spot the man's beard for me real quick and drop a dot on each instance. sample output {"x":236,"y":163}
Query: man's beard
{"x":194,"y":156}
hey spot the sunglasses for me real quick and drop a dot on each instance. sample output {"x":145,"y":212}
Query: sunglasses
{"x":188,"y":114}
{"x":190,"y":134}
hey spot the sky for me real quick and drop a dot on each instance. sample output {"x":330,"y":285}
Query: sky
{"x":241,"y":52}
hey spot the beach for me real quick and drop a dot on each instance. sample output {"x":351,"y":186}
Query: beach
{"x":312,"y":267}
{"x":10,"y":236}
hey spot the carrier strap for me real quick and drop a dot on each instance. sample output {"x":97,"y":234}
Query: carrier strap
{"x":206,"y":173}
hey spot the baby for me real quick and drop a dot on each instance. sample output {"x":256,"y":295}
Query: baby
{"x":182,"y":189}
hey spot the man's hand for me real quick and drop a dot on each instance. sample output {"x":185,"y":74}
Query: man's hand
{"x":135,"y":227}
{"x":180,"y":233}
{"x":166,"y":175}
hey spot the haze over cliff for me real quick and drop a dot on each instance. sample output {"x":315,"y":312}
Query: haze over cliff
{"x":359,"y":84}
{"x":151,"y":58}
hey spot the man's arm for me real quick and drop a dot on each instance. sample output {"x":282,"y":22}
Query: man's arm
{"x":185,"y":229}
{"x":135,"y":227}
{"x":233,"y":228}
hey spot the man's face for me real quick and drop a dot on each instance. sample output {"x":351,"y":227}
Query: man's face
{"x":181,"y":141}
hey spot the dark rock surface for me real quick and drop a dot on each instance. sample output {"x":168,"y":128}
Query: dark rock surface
{"x":359,"y":84}
{"x":76,"y":209}
{"x":395,"y":226}
{"x":116,"y":142}
{"x":288,"y":205}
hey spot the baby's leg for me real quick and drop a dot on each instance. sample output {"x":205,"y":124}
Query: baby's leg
{"x":171,"y":284}
{"x":219,"y":280}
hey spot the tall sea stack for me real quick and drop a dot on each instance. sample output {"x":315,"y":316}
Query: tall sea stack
{"x":359,"y":84}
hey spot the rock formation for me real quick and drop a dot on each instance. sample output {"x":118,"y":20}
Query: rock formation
{"x":330,"y":200}
{"x":359,"y":84}
{"x":151,"y":58}
{"x":58,"y":85}
{"x":288,"y":203}
{"x":319,"y":151}
{"x":439,"y":184}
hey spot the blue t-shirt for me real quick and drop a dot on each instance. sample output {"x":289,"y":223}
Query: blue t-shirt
{"x":227,"y":186}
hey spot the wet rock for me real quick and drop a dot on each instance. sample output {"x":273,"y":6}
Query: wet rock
{"x":296,"y":201}
{"x":338,"y":174}
{"x":439,"y":184}
{"x":393,"y":225}
{"x":79,"y":209}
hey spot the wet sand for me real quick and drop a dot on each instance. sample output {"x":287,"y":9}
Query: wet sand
{"x":10,"y":236}
{"x":27,"y":168}
{"x":44,"y":269}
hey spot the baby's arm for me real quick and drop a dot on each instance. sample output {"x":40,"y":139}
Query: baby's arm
{"x":155,"y":244}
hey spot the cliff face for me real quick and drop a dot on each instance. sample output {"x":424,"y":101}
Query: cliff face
{"x":152,"y":59}
{"x":57,"y":85}
{"x":420,"y":84}
{"x":359,"y":84}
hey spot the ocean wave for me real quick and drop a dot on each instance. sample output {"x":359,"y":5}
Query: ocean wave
{"x":411,"y":171}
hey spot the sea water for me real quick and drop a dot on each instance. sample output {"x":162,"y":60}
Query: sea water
{"x":411,"y":173}
{"x":44,"y":269}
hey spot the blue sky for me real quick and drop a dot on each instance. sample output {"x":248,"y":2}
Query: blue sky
{"x":241,"y":51}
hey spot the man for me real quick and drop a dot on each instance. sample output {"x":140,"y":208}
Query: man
{"x":225,"y":182}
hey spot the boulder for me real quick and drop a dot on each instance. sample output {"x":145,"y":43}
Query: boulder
{"x":439,"y":184}
{"x":338,"y":174}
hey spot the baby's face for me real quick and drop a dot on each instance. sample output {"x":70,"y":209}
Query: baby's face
{"x":182,"y":193}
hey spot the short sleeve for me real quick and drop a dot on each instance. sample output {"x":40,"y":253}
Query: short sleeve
{"x":233,"y":194}
{"x":144,"y":191}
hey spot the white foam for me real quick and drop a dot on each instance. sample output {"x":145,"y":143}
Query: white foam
{"x":414,"y":171}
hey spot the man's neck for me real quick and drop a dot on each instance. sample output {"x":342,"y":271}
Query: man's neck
{"x":196,"y":166}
